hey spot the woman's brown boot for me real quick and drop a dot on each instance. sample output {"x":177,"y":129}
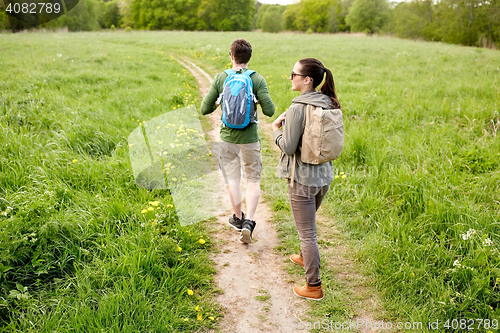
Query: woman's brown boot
{"x":298,"y":259}
{"x":314,"y":293}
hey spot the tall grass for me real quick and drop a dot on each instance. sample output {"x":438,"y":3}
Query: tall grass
{"x":83,"y":249}
{"x":421,"y":158}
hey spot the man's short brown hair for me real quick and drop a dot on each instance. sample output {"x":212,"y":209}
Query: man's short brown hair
{"x":241,"y":50}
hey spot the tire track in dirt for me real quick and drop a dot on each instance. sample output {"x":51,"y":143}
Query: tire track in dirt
{"x":256,"y":296}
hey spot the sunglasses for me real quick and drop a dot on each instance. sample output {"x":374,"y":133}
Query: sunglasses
{"x":293,"y":74}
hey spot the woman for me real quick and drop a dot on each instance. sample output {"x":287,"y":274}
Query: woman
{"x":310,"y":181}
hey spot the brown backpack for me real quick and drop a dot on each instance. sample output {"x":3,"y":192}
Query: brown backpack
{"x":323,"y":137}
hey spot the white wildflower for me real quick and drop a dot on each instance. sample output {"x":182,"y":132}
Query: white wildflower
{"x":487,"y":242}
{"x":471,"y":232}
{"x":457,"y":264}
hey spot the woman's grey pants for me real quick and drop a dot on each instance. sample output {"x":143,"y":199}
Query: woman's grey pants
{"x":305,"y":201}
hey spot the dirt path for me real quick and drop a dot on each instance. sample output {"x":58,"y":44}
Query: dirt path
{"x":255,"y":293}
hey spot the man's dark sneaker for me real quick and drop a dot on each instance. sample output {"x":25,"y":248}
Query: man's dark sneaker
{"x":246,"y":231}
{"x":236,"y":222}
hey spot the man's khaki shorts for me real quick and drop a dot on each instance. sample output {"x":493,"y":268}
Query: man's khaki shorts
{"x":230,"y":160}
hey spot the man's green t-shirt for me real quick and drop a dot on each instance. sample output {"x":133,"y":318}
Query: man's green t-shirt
{"x":250,"y":133}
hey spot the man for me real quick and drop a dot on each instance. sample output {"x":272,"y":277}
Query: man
{"x":244,"y":140}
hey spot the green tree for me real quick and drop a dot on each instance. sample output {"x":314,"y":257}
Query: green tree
{"x":84,"y":17}
{"x":317,"y":13}
{"x":234,"y":15}
{"x":260,"y":14}
{"x":408,"y":20}
{"x":256,"y":15}
{"x":4,"y":19}
{"x":490,"y":25}
{"x":207,"y":15}
{"x":125,"y":12}
{"x":291,"y":14}
{"x":368,"y":15}
{"x":166,"y":14}
{"x":108,"y":14}
{"x":345,"y":5}
{"x":273,"y":19}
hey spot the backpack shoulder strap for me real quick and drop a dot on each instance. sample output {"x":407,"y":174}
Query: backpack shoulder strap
{"x":229,"y":71}
{"x":248,"y":72}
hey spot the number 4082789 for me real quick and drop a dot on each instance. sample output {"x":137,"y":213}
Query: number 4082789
{"x":471,"y":324}
{"x":33,"y":8}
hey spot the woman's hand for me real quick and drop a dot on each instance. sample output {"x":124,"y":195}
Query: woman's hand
{"x":279,"y":121}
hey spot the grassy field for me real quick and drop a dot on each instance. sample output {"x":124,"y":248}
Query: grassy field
{"x":420,"y":198}
{"x":77,"y":252}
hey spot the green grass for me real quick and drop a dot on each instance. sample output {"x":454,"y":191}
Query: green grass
{"x":421,"y":158}
{"x":77,"y":253}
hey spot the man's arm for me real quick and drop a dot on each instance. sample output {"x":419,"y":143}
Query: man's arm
{"x":208,"y":104}
{"x":262,"y":94}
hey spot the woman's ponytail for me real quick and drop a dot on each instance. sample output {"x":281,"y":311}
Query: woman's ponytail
{"x":328,"y":88}
{"x":318,"y":73}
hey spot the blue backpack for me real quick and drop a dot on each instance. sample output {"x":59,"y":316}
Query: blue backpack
{"x":238,"y":99}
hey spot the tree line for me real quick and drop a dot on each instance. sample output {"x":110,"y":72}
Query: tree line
{"x":466,"y":22}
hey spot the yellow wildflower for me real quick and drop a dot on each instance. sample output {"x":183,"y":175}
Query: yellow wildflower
{"x":197,"y":308}
{"x":337,"y":176}
{"x":75,"y":160}
{"x":341,"y":173}
{"x":199,"y":317}
{"x":190,"y":292}
{"x":344,"y":176}
{"x":179,"y":249}
{"x":169,"y":206}
{"x":211,"y":318}
{"x":150,"y":208}
{"x":144,"y":211}
{"x":201,"y":241}
{"x":185,"y":319}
